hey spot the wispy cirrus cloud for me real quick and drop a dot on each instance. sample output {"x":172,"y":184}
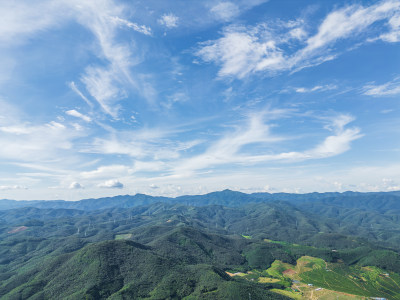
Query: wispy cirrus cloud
{"x":347,"y":21}
{"x":390,"y":88}
{"x":393,"y":34}
{"x":154,"y":143}
{"x":317,"y":88}
{"x":107,"y":172}
{"x":245,"y":50}
{"x":77,"y":114}
{"x":241,"y":52}
{"x":225,"y":11}
{"x":48,"y":147}
{"x":107,"y":82}
{"x":139,"y":28}
{"x":228,"y":149}
{"x":20,"y":20}
{"x":335,"y":144}
{"x":27,"y":142}
{"x":103,"y":85}
{"x":73,"y":87}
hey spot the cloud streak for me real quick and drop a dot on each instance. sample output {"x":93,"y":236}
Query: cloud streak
{"x":317,"y":88}
{"x":77,"y":114}
{"x":227,"y":150}
{"x":390,"y":88}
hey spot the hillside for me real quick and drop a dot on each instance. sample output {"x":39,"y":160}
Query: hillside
{"x":177,"y":250}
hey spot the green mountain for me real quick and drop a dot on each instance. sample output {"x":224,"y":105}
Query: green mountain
{"x":381,"y":201}
{"x":255,"y":245}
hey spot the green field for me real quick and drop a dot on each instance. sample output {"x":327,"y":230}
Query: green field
{"x":315,"y":277}
{"x":363,"y":281}
{"x":278,"y":268}
{"x":354,"y":280}
{"x":123,"y":236}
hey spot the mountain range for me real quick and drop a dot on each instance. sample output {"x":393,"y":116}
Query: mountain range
{"x":146,"y":247}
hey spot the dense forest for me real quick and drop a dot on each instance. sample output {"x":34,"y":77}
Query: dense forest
{"x":223,"y":245}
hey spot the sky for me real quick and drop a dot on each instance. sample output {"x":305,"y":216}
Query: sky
{"x":171,"y":97}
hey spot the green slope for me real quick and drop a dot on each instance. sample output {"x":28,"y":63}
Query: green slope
{"x":126,"y":270}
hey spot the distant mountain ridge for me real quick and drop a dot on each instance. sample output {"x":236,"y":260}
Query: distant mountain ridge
{"x":371,"y":200}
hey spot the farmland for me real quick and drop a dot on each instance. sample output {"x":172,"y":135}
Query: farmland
{"x":313,"y":278}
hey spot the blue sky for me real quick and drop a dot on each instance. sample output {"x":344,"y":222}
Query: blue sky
{"x":99,"y":98}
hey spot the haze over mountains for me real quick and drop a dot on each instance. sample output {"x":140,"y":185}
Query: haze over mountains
{"x":226,"y":198}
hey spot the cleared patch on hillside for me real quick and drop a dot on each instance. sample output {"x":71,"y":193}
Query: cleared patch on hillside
{"x":316,"y":279}
{"x":125,"y":236}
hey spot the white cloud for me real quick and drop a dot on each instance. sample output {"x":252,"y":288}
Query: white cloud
{"x":28,"y":142}
{"x":16,"y":129}
{"x":348,"y":21}
{"x":169,"y":20}
{"x":298,"y":33}
{"x":149,"y":166}
{"x":77,"y":114}
{"x":178,"y":97}
{"x":390,"y":88}
{"x":333,"y":145}
{"x":153,"y":186}
{"x":103,"y":85}
{"x":110,"y":82}
{"x":19,"y":19}
{"x":148,"y":144}
{"x":107,"y":171}
{"x":393,"y":35}
{"x":228,"y":149}
{"x":75,"y":186}
{"x":73,"y":86}
{"x":389,"y":184}
{"x":139,"y":28}
{"x":116,"y":145}
{"x":11,"y":187}
{"x":106,"y":83}
{"x":242,"y":51}
{"x":317,"y":88}
{"x":111,"y":184}
{"x":49,"y":147}
{"x":225,"y":11}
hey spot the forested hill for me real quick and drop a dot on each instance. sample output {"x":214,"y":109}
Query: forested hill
{"x":223,"y":245}
{"x":381,"y":201}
